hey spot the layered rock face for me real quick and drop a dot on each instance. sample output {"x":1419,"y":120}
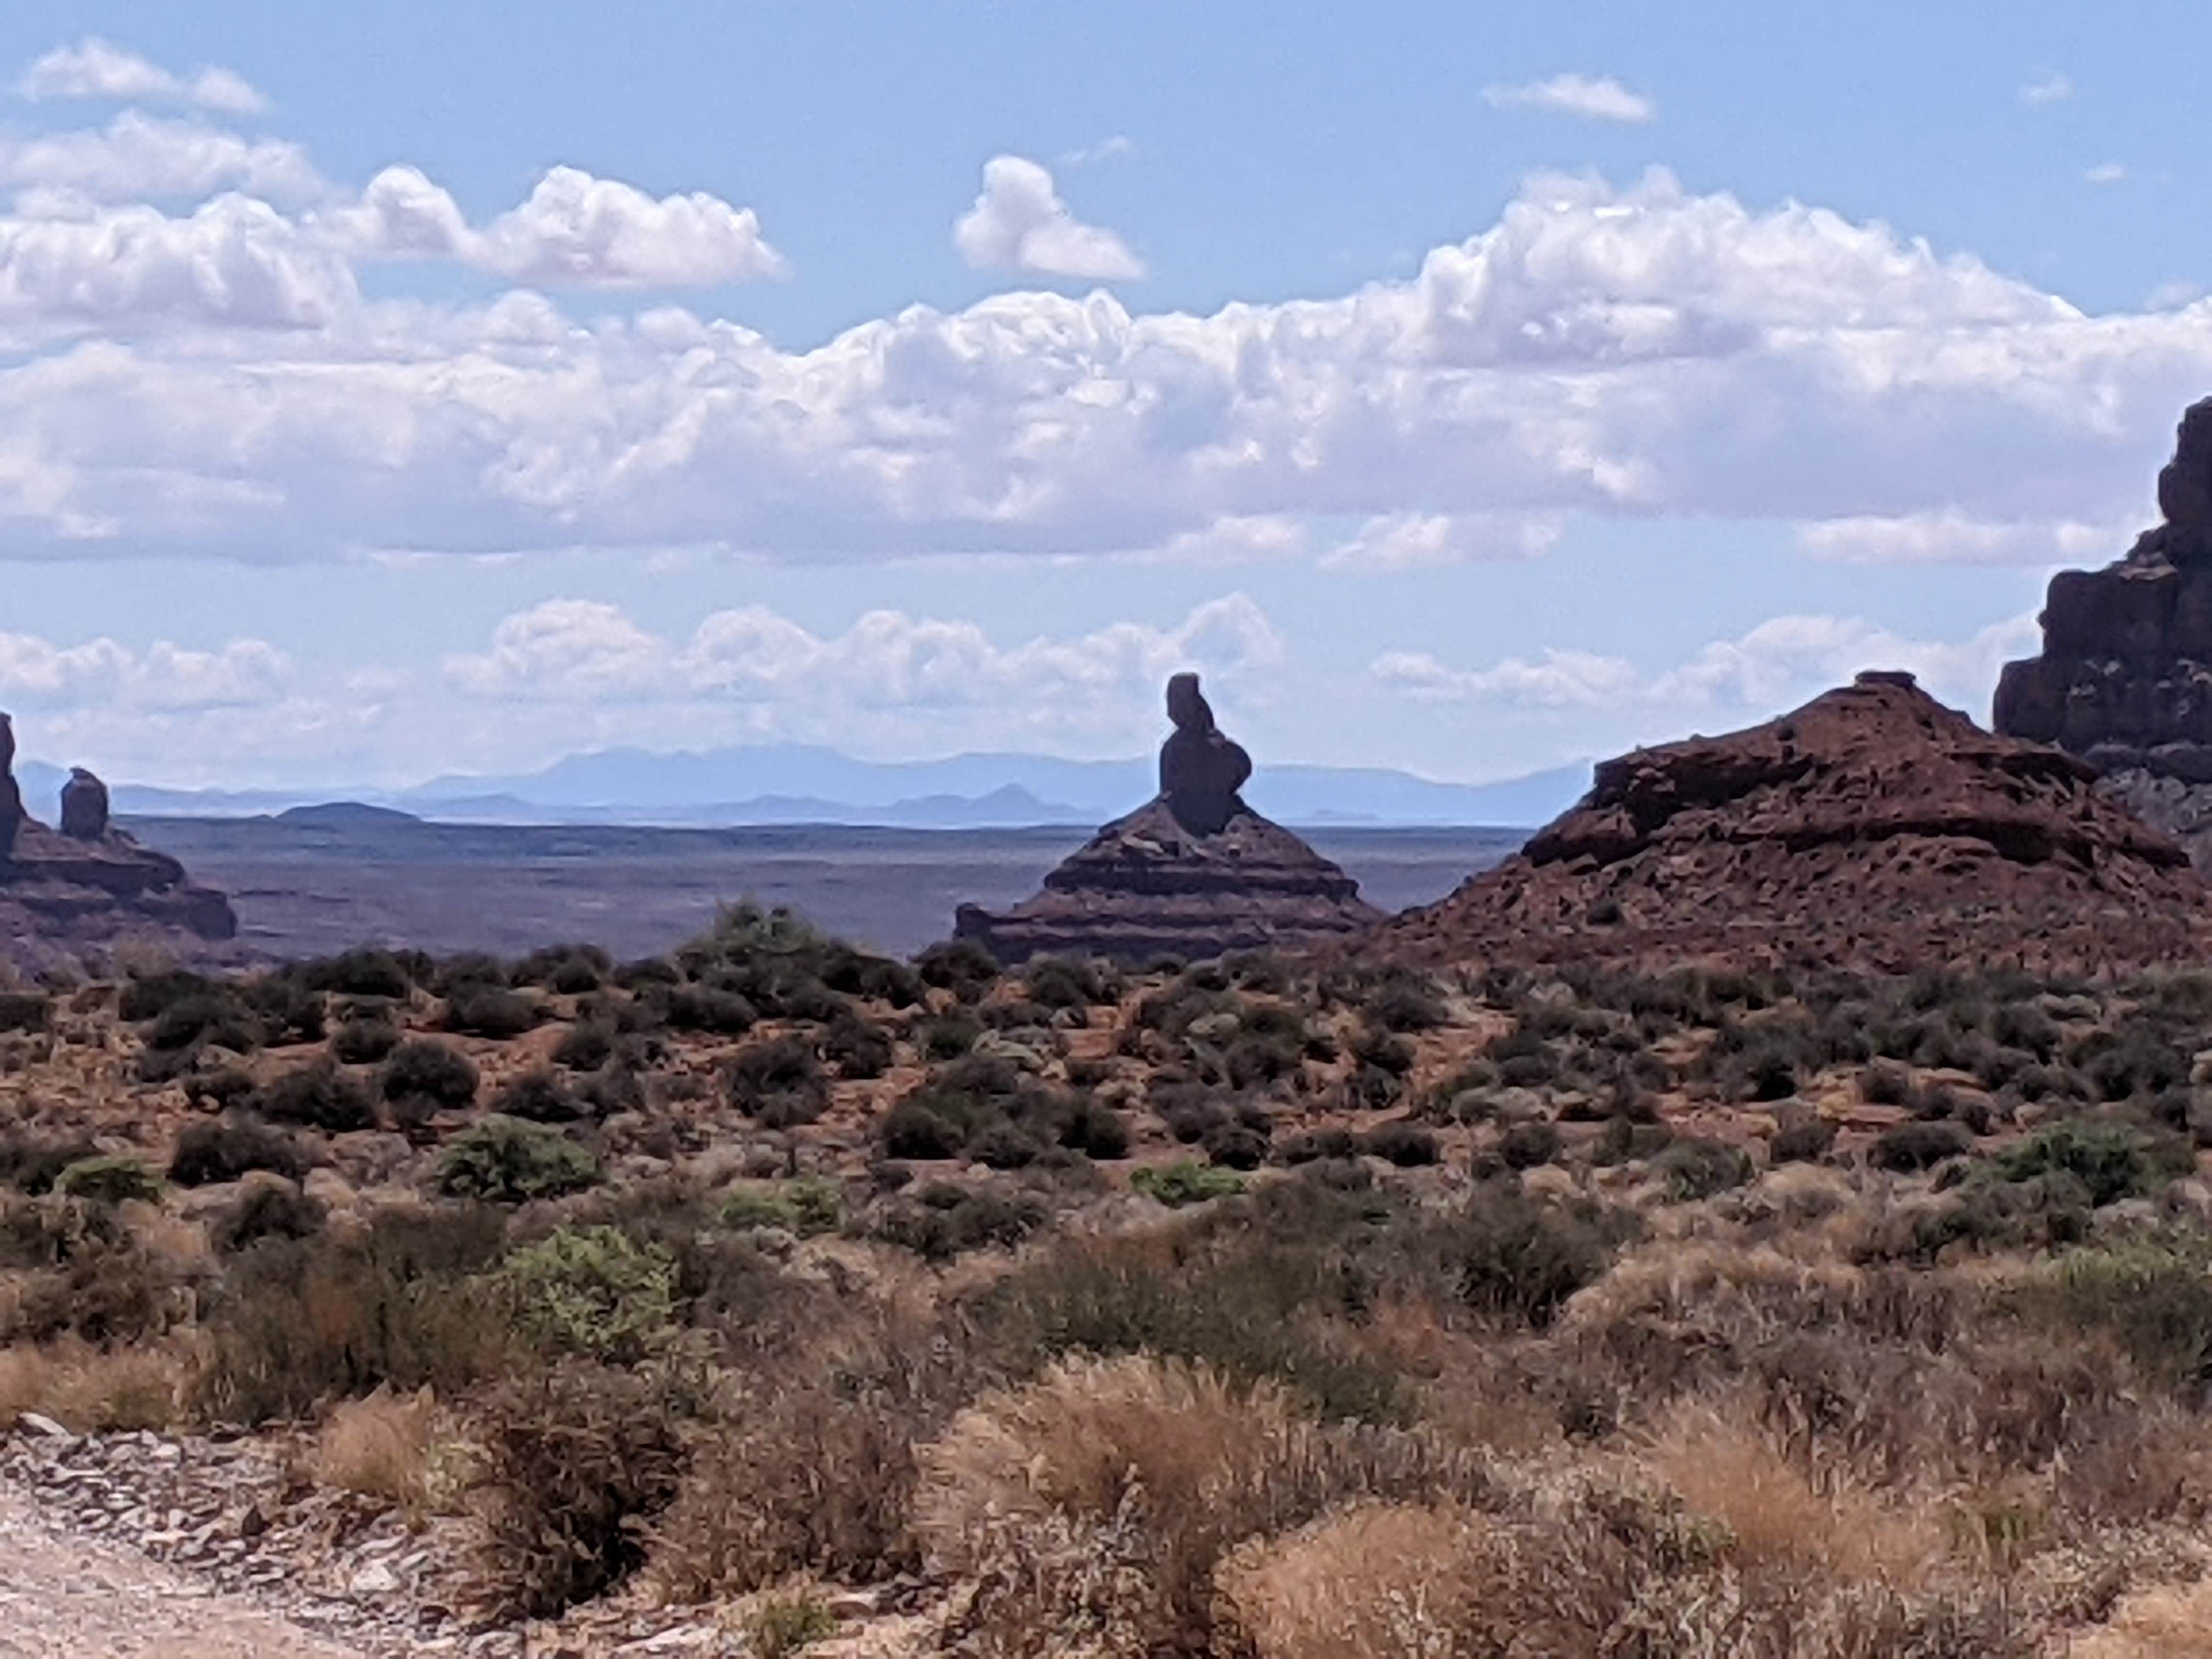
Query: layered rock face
{"x":1871,"y":829}
{"x":2125,"y":676}
{"x":2124,"y":679}
{"x":73,"y":895}
{"x":1193,"y":872}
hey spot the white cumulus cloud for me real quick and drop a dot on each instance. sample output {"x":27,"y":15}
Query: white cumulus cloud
{"x":100,"y":673}
{"x":138,"y":156}
{"x":1593,"y":97}
{"x":1020,"y":223}
{"x":2045,"y":90}
{"x":574,"y":230}
{"x":1557,"y":679}
{"x":95,"y":68}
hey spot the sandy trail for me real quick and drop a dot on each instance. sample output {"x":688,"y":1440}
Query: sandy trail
{"x":73,"y":1598}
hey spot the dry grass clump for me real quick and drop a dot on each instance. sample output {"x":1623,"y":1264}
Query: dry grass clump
{"x":1096,"y":1502}
{"x":92,"y":1390}
{"x":1366,"y":1582}
{"x":387,"y":1446}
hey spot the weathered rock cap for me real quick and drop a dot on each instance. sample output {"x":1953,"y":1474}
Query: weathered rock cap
{"x":1201,"y":769}
{"x":84,"y":806}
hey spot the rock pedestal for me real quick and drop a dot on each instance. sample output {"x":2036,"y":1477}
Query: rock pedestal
{"x":1872,"y":829}
{"x":77,"y":892}
{"x":2124,"y":678}
{"x":1192,"y":873}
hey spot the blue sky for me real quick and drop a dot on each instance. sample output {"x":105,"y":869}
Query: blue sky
{"x":398,"y":390}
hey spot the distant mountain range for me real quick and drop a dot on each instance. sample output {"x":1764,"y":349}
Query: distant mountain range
{"x":794,"y":783}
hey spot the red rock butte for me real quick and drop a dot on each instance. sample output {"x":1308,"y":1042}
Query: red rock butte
{"x":1874,"y":829}
{"x":1193,"y":873}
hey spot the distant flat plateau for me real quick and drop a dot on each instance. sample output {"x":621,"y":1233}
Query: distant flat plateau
{"x":310,"y":889}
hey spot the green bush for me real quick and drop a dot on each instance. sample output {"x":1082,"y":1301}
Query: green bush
{"x":109,"y":1178}
{"x":2111,"y":1159}
{"x":504,"y":1160}
{"x":437,"y":1073}
{"x":592,"y":1293}
{"x":805,"y":1208}
{"x":489,"y":1011}
{"x":1694,"y":1167}
{"x":1187,"y":1182}
{"x":364,"y":1041}
{"x":2154,"y":1299}
{"x":1508,"y":1257}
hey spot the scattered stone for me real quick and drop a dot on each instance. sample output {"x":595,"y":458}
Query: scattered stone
{"x":45,"y":1427}
{"x":1193,"y":872}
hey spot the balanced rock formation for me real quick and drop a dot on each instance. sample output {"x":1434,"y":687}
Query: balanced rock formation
{"x":2124,"y":679}
{"x":74,"y":895}
{"x":84,"y":806}
{"x":1193,"y":872}
{"x":1872,"y":829}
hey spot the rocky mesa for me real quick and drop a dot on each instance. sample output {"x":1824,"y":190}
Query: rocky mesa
{"x":1872,"y":829}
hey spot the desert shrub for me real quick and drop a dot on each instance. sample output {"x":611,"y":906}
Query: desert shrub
{"x":1408,"y":1146}
{"x":1624,"y":1140}
{"x":287,"y":1010}
{"x":1099,"y":1500}
{"x":109,"y":1178}
{"x":1695,"y":1168}
{"x":1804,"y":1138}
{"x":267,"y":1208}
{"x":1884,"y":1083}
{"x":147,"y":996}
{"x":26,"y":1011}
{"x":1909,"y":1148}
{"x":1526,"y":1145}
{"x":568,"y":969}
{"x":778,"y":1083}
{"x":943,"y":1219}
{"x":612,"y":1089}
{"x":577,"y":1459}
{"x":425,"y":1069}
{"x":1236,"y":1145}
{"x":489,"y":1011}
{"x":950,"y":1035}
{"x":211,"y":1019}
{"x":856,"y":1047}
{"x":913,"y":1131}
{"x":1317,"y":1144}
{"x":1405,"y":1002}
{"x":1236,"y":1288}
{"x":504,"y":1160}
{"x":86,"y":1277}
{"x":805,"y":1208}
{"x":960,"y":966}
{"x":1507,"y":1257}
{"x":815,"y":1475}
{"x":320,"y":1096}
{"x":30,"y":1162}
{"x":364,"y":1041}
{"x":593,"y":1293}
{"x":705,"y":1008}
{"x":2112,"y":1160}
{"x":585,"y":1046}
{"x":208,"y":1154}
{"x":1186,"y":1182}
{"x":365,"y":972}
{"x":1071,"y":983}
{"x":539,"y":1097}
{"x":297,"y":1322}
{"x":2154,"y":1298}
